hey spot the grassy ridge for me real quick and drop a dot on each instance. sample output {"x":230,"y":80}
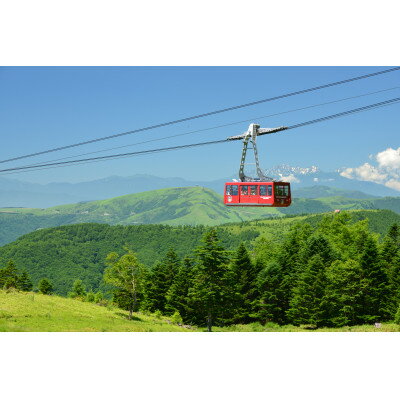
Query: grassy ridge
{"x":173,"y":206}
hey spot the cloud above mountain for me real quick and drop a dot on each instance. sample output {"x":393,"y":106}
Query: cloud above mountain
{"x":385,"y":172}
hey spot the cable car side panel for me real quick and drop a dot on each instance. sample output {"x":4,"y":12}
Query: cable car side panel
{"x":262,"y":194}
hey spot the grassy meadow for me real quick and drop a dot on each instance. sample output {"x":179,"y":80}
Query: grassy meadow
{"x":34,"y":312}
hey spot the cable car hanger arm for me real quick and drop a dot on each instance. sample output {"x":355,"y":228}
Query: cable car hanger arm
{"x":251,"y":136}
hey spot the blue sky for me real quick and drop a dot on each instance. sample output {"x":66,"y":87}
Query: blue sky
{"x":44,"y":107}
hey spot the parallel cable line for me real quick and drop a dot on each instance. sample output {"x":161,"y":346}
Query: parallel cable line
{"x":206,"y":114}
{"x":123,"y":155}
{"x":220,"y":126}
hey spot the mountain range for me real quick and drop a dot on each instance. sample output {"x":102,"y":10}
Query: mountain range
{"x":179,"y":206}
{"x":15,"y":193}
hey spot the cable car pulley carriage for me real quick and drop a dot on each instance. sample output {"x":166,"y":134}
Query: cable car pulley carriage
{"x":262,"y":191}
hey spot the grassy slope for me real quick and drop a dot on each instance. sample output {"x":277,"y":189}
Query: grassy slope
{"x":173,"y":206}
{"x":33,"y":312}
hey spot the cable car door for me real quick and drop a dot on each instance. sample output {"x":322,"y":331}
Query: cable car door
{"x":248,"y":194}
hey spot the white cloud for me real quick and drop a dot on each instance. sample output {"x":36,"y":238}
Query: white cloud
{"x":365,"y":172}
{"x":389,"y":158}
{"x":393,"y":184}
{"x":387,"y":172}
{"x":290,"y":178}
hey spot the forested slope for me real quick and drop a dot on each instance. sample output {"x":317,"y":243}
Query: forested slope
{"x":66,"y":253}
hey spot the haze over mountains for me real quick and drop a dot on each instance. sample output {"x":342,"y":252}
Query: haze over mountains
{"x":178,"y":206}
{"x":16,"y":193}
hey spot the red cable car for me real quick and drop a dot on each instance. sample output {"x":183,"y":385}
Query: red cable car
{"x":267,"y":194}
{"x":262,"y":191}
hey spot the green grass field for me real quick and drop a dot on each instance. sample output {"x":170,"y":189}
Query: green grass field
{"x":33,"y":312}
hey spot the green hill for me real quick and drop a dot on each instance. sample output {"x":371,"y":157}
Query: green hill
{"x":34,"y":312}
{"x":69,"y":252}
{"x":176,"y":206}
{"x":318,"y":191}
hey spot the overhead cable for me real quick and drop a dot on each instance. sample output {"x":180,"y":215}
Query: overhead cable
{"x":131,"y":154}
{"x":205,"y":114}
{"x":220,"y":126}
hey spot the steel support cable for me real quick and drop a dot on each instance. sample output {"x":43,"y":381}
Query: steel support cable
{"x":123,"y":155}
{"x":253,"y":103}
{"x":220,"y":126}
{"x":344,"y":113}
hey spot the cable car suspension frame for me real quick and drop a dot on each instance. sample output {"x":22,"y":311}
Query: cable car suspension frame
{"x":250,"y":136}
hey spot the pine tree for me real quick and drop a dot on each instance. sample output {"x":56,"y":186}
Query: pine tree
{"x":271,"y":305}
{"x":210,"y":292}
{"x":160,"y":280}
{"x":9,"y":276}
{"x":126,"y":275}
{"x":24,"y":282}
{"x":344,"y":292}
{"x":390,"y":255}
{"x":177,"y":295}
{"x":45,"y":286}
{"x":376,"y":296}
{"x":244,"y":275}
{"x":290,"y":260}
{"x":307,"y":305}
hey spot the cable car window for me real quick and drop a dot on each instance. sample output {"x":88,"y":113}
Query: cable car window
{"x":235,"y":191}
{"x":228,"y":190}
{"x":269,"y":190}
{"x":263,"y":190}
{"x":253,"y":190}
{"x":243,"y":190}
{"x":282,"y":190}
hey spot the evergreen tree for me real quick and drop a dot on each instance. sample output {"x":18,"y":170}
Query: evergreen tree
{"x":244,"y":275}
{"x":160,"y":280}
{"x":24,"y":282}
{"x":45,"y":286}
{"x":308,"y":304}
{"x":9,"y":276}
{"x":376,"y":296}
{"x":271,"y":305}
{"x":177,"y":295}
{"x":390,"y":255}
{"x":344,"y":292}
{"x":210,"y":292}
{"x":126,"y":275}
{"x":290,"y":260}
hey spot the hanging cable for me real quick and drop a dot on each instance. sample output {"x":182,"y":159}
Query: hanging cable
{"x":220,"y":126}
{"x":123,"y":155}
{"x":206,"y":114}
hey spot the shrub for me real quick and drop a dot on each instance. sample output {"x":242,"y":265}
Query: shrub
{"x":397,"y":316}
{"x":176,"y":318}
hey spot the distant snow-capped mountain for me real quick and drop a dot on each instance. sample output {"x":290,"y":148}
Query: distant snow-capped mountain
{"x":301,"y":177}
{"x":286,"y":170}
